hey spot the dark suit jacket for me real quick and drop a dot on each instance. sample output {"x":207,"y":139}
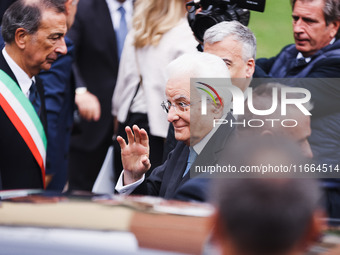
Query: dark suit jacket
{"x":96,"y":67}
{"x":59,"y":99}
{"x":167,"y":181}
{"x":18,"y":167}
{"x":198,"y":187}
{"x":2,"y":43}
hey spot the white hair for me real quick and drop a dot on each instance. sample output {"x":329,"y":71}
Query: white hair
{"x":202,"y":65}
{"x":198,"y":65}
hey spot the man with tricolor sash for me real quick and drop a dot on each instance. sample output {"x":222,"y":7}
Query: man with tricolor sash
{"x":33,"y":31}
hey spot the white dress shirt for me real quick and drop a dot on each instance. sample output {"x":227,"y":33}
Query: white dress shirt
{"x":115,"y":14}
{"x":23,"y":79}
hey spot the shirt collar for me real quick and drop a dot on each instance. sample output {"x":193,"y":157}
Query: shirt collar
{"x":114,"y":5}
{"x":198,"y":147}
{"x":299,"y":55}
{"x":23,"y":79}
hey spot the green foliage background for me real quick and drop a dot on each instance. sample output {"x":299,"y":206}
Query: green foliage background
{"x":272,"y":28}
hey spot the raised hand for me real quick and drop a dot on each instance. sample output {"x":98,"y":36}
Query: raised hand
{"x":135,"y":154}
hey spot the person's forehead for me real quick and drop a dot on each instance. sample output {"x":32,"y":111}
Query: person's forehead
{"x":227,"y":42}
{"x":309,"y":8}
{"x":232,"y":39}
{"x":51,"y":19}
{"x":178,"y":85}
{"x":229,"y":47}
{"x":311,"y":2}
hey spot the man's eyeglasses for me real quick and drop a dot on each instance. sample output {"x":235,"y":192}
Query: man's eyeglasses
{"x":179,"y":107}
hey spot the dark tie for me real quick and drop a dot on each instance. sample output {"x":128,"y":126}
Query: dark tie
{"x":35,"y":98}
{"x":122,"y":31}
{"x":300,"y":62}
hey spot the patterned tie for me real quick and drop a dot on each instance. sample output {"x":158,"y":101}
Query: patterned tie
{"x":35,"y":98}
{"x":191,"y":159}
{"x":122,"y":31}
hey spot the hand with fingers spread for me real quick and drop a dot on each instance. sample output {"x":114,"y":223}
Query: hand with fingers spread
{"x":135,"y":154}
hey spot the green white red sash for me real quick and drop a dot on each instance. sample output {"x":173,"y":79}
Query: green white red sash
{"x":21,"y":113}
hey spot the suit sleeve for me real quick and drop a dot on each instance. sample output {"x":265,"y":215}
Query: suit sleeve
{"x":75,"y":34}
{"x":263,"y":66}
{"x":152,"y":185}
{"x":56,"y":82}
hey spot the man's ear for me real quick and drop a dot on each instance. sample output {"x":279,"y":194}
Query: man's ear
{"x":335,"y":27}
{"x":218,"y":107}
{"x":21,"y":37}
{"x":217,"y":232}
{"x":67,"y":6}
{"x":250,"y":68}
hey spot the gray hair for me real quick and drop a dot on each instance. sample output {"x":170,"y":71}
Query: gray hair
{"x":27,"y":15}
{"x":238,"y":31}
{"x":331,"y":11}
{"x":198,"y":65}
{"x":203,"y":65}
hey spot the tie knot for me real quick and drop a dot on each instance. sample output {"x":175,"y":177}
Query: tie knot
{"x":122,"y":10}
{"x":33,"y":88}
{"x":301,"y":61}
{"x":34,"y":97}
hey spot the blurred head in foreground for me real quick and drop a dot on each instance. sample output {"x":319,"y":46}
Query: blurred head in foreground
{"x":266,"y":216}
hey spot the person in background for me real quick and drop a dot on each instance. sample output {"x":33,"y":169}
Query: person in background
{"x":160,"y":34}
{"x":59,"y":100}
{"x":98,"y":35}
{"x":33,"y":32}
{"x":236,"y":45}
{"x":266,"y":216}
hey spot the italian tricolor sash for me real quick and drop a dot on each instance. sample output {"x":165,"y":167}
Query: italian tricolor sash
{"x":21,"y":113}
